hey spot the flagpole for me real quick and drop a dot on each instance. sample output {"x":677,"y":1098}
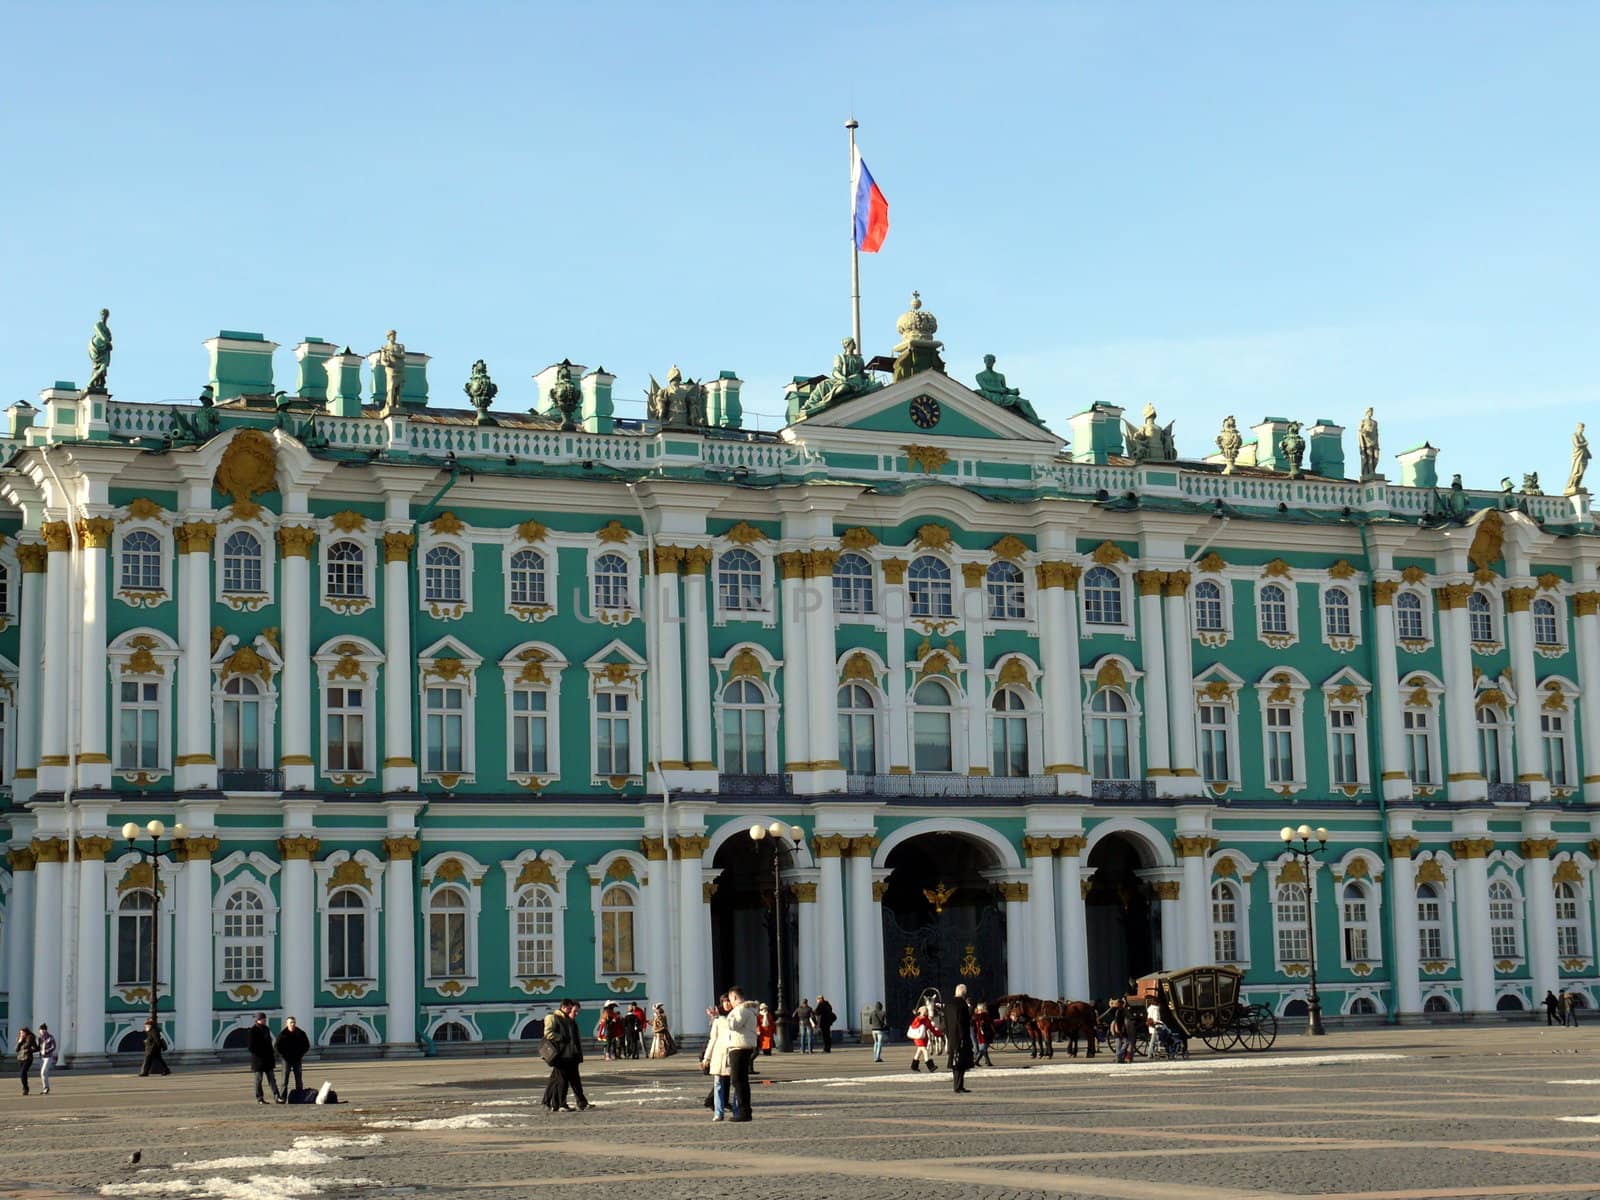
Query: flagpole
{"x":855,"y":254}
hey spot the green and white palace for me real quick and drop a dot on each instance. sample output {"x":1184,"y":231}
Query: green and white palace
{"x":463,"y":709}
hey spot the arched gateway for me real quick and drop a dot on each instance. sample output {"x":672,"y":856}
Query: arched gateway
{"x":943,"y":921}
{"x":1121,"y":914}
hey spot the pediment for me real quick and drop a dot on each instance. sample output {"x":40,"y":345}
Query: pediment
{"x":961,"y":414}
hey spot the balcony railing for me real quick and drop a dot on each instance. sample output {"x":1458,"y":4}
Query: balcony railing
{"x":250,"y":781}
{"x":997,"y":786}
{"x":1122,"y":789}
{"x":1509,"y":793}
{"x":755,"y":785}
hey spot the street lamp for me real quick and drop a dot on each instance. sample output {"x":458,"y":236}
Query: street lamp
{"x":157,"y":830}
{"x":784,"y":837}
{"x":1305,"y":852}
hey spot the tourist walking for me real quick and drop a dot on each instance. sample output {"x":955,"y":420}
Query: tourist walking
{"x":1569,"y":1009}
{"x":741,"y":1050}
{"x":662,"y":1044}
{"x":262,"y":1059}
{"x":875,"y":1026}
{"x":292,"y":1047}
{"x":1122,"y":1031}
{"x":806,"y":1021}
{"x":766,"y":1030}
{"x":714,"y":1062}
{"x":154,"y":1044}
{"x":921,"y":1032}
{"x":982,"y":1035}
{"x":608,"y":1030}
{"x":27,"y":1047}
{"x":564,"y":1054}
{"x":958,"y":1044}
{"x":1552,"y":1010}
{"x":825,"y":1017}
{"x":48,"y":1055}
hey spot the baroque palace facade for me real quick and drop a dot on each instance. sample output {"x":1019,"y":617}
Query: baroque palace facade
{"x":463,"y":712}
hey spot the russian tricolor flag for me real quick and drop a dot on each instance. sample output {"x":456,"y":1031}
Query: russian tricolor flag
{"x":871,"y":209}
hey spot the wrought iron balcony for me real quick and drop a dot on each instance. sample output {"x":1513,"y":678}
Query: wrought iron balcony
{"x":1122,"y":789}
{"x":942,"y":784}
{"x":250,"y":781}
{"x":1508,"y":793}
{"x":754,"y":785}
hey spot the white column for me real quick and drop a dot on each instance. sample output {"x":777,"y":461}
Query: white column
{"x":810,"y":957}
{"x":197,"y":768}
{"x":830,"y":922}
{"x":53,"y":760}
{"x":1071,"y":922}
{"x":400,"y":938}
{"x":1472,"y":923}
{"x":866,"y":961}
{"x":1019,"y":972}
{"x":47,"y":932}
{"x":1587,"y":639}
{"x":1044,"y":977}
{"x":297,"y":927}
{"x":1386,"y":691}
{"x":94,"y":764}
{"x":194,"y":988}
{"x":1058,"y":653}
{"x":399,"y":700}
{"x":1152,"y":648}
{"x":822,"y":685}
{"x":658,"y":947}
{"x":1530,"y":753}
{"x":669,"y":658}
{"x":895,"y":612}
{"x":1407,"y":997}
{"x":294,"y":702}
{"x":1194,"y":900}
{"x":975,"y":611}
{"x":697,"y":677}
{"x":796,"y":705}
{"x":29,"y":681}
{"x":1180,"y":674}
{"x":1168,"y":892}
{"x":694,"y":956}
{"x":1539,"y":901}
{"x":91,"y":981}
{"x":19,"y":939}
{"x":1464,"y":770}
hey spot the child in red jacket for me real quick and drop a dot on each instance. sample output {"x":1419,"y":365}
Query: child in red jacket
{"x":921,"y":1033}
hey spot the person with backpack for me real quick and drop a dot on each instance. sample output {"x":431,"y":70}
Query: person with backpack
{"x":292,"y":1046}
{"x":27,"y":1047}
{"x":825,"y":1017}
{"x":48,"y":1055}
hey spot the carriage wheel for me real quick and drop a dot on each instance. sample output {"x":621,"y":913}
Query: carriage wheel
{"x":1220,"y":1039}
{"x":1258,"y":1028}
{"x":1019,"y":1039}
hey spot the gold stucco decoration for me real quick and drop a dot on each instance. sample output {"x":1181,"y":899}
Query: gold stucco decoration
{"x":937,"y":663}
{"x":1413,"y":574}
{"x":1212,"y":563}
{"x":612,"y":532}
{"x":1341,"y":570}
{"x":245,"y":661}
{"x":447,"y":668}
{"x":857,"y":538}
{"x":1357,"y":869}
{"x":745,"y":665}
{"x":858,"y":667}
{"x":535,"y":870}
{"x":447,"y":522}
{"x":1276,"y":569}
{"x":1110,"y":675}
{"x":1549,"y":581}
{"x":1567,"y":872}
{"x":1013,"y":673}
{"x":397,"y":546}
{"x":531,"y":531}
{"x":927,"y":459}
{"x":450,"y":870}
{"x":1488,"y":541}
{"x":745,"y":534}
{"x":1555,"y":699}
{"x":348,"y":521}
{"x":142,"y":661}
{"x":1347,"y":693}
{"x":350,"y":872}
{"x":348,"y":667}
{"x":614,"y":673}
{"x":1491,"y":698}
{"x":249,"y":466}
{"x":139,"y":877}
{"x":1217,"y":690}
{"x":620,"y":868}
{"x":1283,"y":692}
{"x":932,"y":537}
{"x":1010,"y":547}
{"x":1108,"y":554}
{"x":1430,"y":871}
{"x":142,"y":508}
{"x":1292,"y":872}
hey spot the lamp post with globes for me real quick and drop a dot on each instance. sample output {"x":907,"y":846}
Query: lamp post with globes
{"x":157,"y":830}
{"x":1305,"y":852}
{"x":782,"y":837}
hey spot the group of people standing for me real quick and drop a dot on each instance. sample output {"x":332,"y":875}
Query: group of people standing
{"x":1561,"y":1010}
{"x":814,"y":1023}
{"x":623,"y":1033}
{"x":41,"y":1045}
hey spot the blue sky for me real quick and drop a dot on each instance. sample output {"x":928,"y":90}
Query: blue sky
{"x":1284,"y":208}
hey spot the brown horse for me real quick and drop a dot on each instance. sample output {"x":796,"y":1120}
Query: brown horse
{"x":1044,"y":1019}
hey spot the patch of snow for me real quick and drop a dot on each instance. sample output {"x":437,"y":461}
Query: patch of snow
{"x":297,"y":1157}
{"x":1581,"y":1082}
{"x":271,"y":1187}
{"x":167,"y":1187}
{"x":502,"y":1103}
{"x":335,"y":1143}
{"x":464,"y":1121}
{"x":1594,"y":1120}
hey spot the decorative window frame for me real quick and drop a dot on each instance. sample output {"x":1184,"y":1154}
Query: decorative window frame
{"x":259,"y":525}
{"x":1347,"y":691}
{"x":1364,"y":869}
{"x":1550,"y":592}
{"x":617,"y":667}
{"x":453,"y":664}
{"x":446,"y":529}
{"x":1276,"y":574}
{"x":1576,"y":870}
{"x":614,"y":539}
{"x":458,"y":872}
{"x":627,"y":869}
{"x":1121,"y":568}
{"x":767,"y":612}
{"x":1027,"y":580}
{"x":235,"y":873}
{"x":865,"y":669}
{"x":1495,"y":697}
{"x":362,"y":871}
{"x":1231,"y":866}
{"x":340,"y":661}
{"x":140,"y":515}
{"x":1114,"y":672}
{"x":259,"y":661}
{"x":142,"y":655}
{"x":1284,"y":686}
{"x":537,"y":868}
{"x":1287,"y":869}
{"x":438,"y":1018}
{"x":1421,"y":690}
{"x":1503,"y":868}
{"x":1213,"y":638}
{"x":1412,"y":585}
{"x":752,"y":662}
{"x":364,"y":532}
{"x":1497,"y":622}
{"x":1438,"y":868}
{"x":126,"y":873}
{"x":1342,"y":643}
{"x":1373,"y":995}
{"x":534,"y":665}
{"x":875,"y":619}
{"x":933,"y":623}
{"x":531,"y":535}
{"x":944,"y":667}
{"x":1558,"y":694}
{"x":334,"y":1021}
{"x":1218,"y":685}
{"x":1020,"y":674}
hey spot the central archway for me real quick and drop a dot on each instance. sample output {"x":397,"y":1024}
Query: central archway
{"x":1123,"y":921}
{"x":943,"y":921}
{"x":744,"y":950}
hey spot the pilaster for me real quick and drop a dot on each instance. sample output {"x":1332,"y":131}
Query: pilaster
{"x":1152,"y":647}
{"x":1071,"y":919}
{"x":91,"y":972}
{"x":895,"y":610}
{"x":697,"y":656}
{"x":1463,"y":770}
{"x":297,"y":906}
{"x":664,"y":614}
{"x":1403,"y":907}
{"x":1044,"y":977}
{"x":48,"y":853}
{"x":94,"y":764}
{"x":694,"y":929}
{"x":1472,"y":903}
{"x":294,"y":546}
{"x":1058,"y":652}
{"x":195,"y":986}
{"x":19,"y":947}
{"x":1586,"y":625}
{"x":32,"y":558}
{"x":822,"y":687}
{"x":975,"y":613}
{"x":399,"y":767}
{"x":53,"y":761}
{"x":796,"y":700}
{"x":400,"y":847}
{"x":1180,"y":678}
{"x":1539,"y":900}
{"x":866,"y":916}
{"x":1519,"y":630}
{"x":830,"y":919}
{"x":1396,"y":781}
{"x":196,"y":767}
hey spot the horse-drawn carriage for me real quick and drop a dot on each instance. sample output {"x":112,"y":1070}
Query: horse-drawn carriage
{"x":1204,"y":1003}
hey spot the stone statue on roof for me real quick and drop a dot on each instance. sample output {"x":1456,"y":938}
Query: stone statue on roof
{"x":1530,"y":485}
{"x":1229,"y":442}
{"x":1367,"y":436}
{"x":1293,"y":448}
{"x":392,"y":357}
{"x":481,"y":390}
{"x":100,"y":352}
{"x":565,"y":396}
{"x":677,"y":404}
{"x":992,"y":387}
{"x":848,"y":378}
{"x":1580,"y":461}
{"x":1150,"y":442}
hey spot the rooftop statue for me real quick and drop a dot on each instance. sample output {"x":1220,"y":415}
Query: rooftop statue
{"x":1580,"y":461}
{"x":392,"y":357}
{"x":1456,"y":505}
{"x":917,"y":350}
{"x":1229,"y":442}
{"x":992,"y":387}
{"x":1367,"y":435}
{"x":1293,"y":447}
{"x":481,"y":390}
{"x":100,"y":352}
{"x":1150,"y":442}
{"x":565,"y":396}
{"x":676,"y":404}
{"x":849,"y":378}
{"x":1530,"y":485}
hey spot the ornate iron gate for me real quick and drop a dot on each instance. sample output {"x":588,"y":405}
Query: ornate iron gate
{"x":966,"y":943}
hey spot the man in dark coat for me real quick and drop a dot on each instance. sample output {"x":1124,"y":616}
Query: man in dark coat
{"x":824,"y":1016}
{"x":154,"y":1044}
{"x":261,"y":1058}
{"x":292,"y":1045}
{"x":563,"y":1034}
{"x":958,"y":1037}
{"x":1552,"y":1010}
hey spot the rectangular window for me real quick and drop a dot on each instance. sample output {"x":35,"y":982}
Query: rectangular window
{"x":1280,"y":744}
{"x":1342,"y":747}
{"x":1293,"y":944}
{"x":1419,"y":746}
{"x":1214,"y":762}
{"x":139,"y":732}
{"x":1552,"y":728}
{"x":611,"y":740}
{"x":446,"y":716}
{"x":1226,"y":944}
{"x":530,"y":739}
{"x":346,"y":730}
{"x":1108,"y":749}
{"x":347,"y":945}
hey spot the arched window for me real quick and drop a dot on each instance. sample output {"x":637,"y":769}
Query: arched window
{"x":527,"y":577}
{"x":610,"y":582}
{"x":1569,"y":938}
{"x":348,"y":1035}
{"x":1509,"y":1002}
{"x":616,"y":931}
{"x":932,"y":727}
{"x":441,"y":574}
{"x":1504,"y":941}
{"x":1273,"y":602}
{"x":347,"y":935}
{"x":241,"y":563}
{"x":1226,"y":924}
{"x":1362,"y":1006}
{"x":1436,"y":1004}
{"x":141,"y":561}
{"x":739,"y":581}
{"x":929,"y":581}
{"x":1357,"y":921}
{"x":447,"y":934}
{"x":1008,"y":730}
{"x":1546,"y":628}
{"x":244,"y":938}
{"x":858,"y":730}
{"x":536,"y":933}
{"x":241,"y":724}
{"x":1336,"y":612}
{"x":135,"y":911}
{"x":347,"y":570}
{"x":1007,"y":597}
{"x":1102,"y":596}
{"x":1553,"y":733}
{"x":1208,"y":613}
{"x":744,"y":728}
{"x":852,"y":585}
{"x":1430,"y":922}
{"x":1489,"y":732}
{"x":1110,"y":736}
{"x":452,"y":1031}
{"x":1289,"y":911}
{"x":1480,"y":618}
{"x":1408,"y":617}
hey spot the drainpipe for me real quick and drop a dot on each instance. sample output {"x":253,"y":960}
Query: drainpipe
{"x":1375,"y":769}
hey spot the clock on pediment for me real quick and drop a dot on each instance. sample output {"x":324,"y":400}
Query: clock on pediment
{"x":925,"y":412}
